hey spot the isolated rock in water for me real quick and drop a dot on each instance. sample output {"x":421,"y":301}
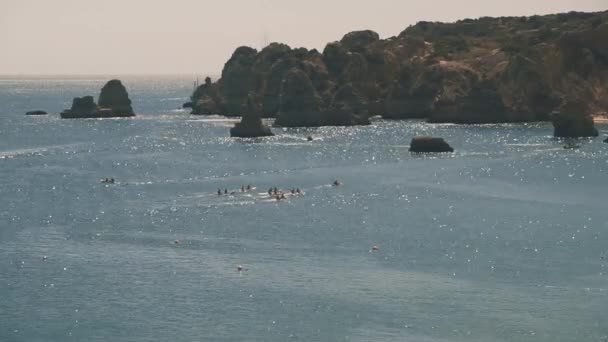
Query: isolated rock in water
{"x":348,"y":108}
{"x":251,"y":125}
{"x":573,"y":119}
{"x":36,"y":112}
{"x":114,"y":96}
{"x":300,"y":103}
{"x":429,"y":144}
{"x":82,"y":107}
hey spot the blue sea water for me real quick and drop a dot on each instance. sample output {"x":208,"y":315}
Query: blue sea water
{"x":505,"y":240}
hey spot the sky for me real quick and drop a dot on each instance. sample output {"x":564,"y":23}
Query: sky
{"x":195,"y":37}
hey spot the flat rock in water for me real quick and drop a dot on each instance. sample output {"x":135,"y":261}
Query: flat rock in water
{"x":429,"y":145}
{"x":36,"y":112}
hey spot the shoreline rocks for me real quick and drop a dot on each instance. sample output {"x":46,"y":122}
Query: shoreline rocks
{"x":487,"y":70}
{"x":424,"y":144}
{"x":573,"y":120}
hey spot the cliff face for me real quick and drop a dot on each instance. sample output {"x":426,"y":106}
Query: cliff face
{"x":509,"y":69}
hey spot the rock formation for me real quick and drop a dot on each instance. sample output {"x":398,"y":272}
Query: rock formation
{"x":429,"y":145}
{"x":206,"y":99}
{"x":300,"y":104}
{"x":82,"y":107}
{"x":348,"y":108}
{"x":573,"y":120}
{"x":251,"y":125}
{"x":113,"y":102}
{"x":114,"y":96}
{"x":36,"y":112}
{"x":488,"y":70}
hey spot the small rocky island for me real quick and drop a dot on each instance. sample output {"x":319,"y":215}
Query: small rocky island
{"x":113,"y":102}
{"x":36,"y":112}
{"x":424,"y":144}
{"x":487,"y":70}
{"x":251,"y":125}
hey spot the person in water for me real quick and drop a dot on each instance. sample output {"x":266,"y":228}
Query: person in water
{"x":337,"y":183}
{"x":298,"y":191}
{"x":275,"y":190}
{"x":242,"y":188}
{"x":293,"y":191}
{"x":283,"y":196}
{"x":248,"y":187}
{"x":225,"y":191}
{"x":270,"y":192}
{"x":219,"y":192}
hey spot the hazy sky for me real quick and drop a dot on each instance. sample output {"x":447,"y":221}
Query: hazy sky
{"x":197,"y":36}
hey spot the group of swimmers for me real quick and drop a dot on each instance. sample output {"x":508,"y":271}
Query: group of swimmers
{"x":243,"y":189}
{"x":280,"y":195}
{"x":273,"y":192}
{"x":107,"y":180}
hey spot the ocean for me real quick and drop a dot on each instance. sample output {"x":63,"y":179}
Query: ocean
{"x":504,"y":240}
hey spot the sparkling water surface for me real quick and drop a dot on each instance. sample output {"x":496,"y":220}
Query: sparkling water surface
{"x":504,"y":240}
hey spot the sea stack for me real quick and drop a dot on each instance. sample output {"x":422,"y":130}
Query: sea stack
{"x":113,"y":102}
{"x":429,"y":145}
{"x":573,"y":120}
{"x":114,"y":96}
{"x":251,"y":125}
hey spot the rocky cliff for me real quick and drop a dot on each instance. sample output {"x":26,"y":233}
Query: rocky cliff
{"x":509,"y":69}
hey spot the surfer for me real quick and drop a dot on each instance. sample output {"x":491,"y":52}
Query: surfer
{"x":248,"y":187}
{"x":298,"y":191}
{"x":293,"y":191}
{"x":219,"y":192}
{"x":270,"y":192}
{"x":225,"y":191}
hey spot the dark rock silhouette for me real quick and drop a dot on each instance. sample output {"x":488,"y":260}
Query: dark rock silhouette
{"x":358,"y":41}
{"x":82,"y":107}
{"x":114,"y":96}
{"x":573,"y":120}
{"x":237,"y":80}
{"x":429,"y":145}
{"x":606,"y":140}
{"x":114,"y":102}
{"x":348,"y":108}
{"x":487,"y":70}
{"x":206,"y":99}
{"x":251,"y":125}
{"x":36,"y":112}
{"x":300,"y":104}
{"x":187,"y":104}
